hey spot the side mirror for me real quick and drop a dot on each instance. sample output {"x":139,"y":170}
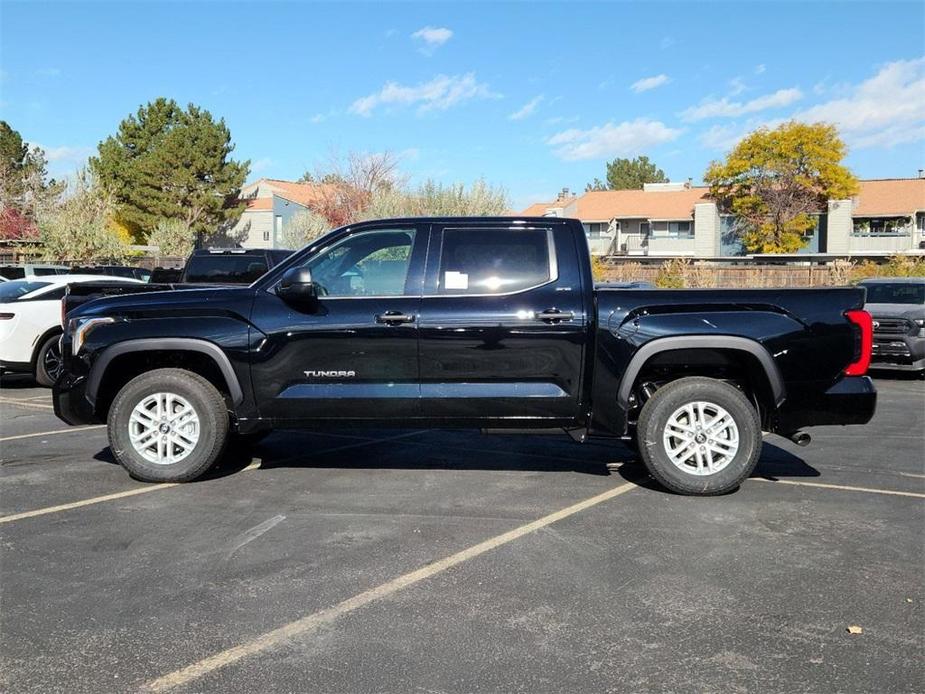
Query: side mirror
{"x":296,"y":285}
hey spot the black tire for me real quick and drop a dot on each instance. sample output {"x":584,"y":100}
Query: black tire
{"x":48,"y":361}
{"x":666,"y":402}
{"x":207,"y":404}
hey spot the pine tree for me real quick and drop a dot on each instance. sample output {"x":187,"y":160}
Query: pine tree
{"x":169,"y":163}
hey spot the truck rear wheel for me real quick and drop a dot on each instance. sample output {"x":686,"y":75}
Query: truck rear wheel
{"x":168,"y":425}
{"x":699,"y":436}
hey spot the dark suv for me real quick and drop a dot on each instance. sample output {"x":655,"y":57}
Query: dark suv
{"x":230,"y":265}
{"x":897,"y":305}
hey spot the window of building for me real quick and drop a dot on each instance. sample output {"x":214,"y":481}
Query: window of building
{"x":645,"y":228}
{"x":495,"y":261}
{"x":673,"y":230}
{"x":266,"y":235}
{"x":882,"y":226}
{"x":595,"y":230}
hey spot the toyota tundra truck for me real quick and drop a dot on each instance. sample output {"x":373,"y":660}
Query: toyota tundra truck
{"x":487,"y":323}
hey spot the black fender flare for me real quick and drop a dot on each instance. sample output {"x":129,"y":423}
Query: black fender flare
{"x":732,"y":342}
{"x":179,"y":344}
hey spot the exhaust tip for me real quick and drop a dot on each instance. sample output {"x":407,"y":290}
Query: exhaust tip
{"x":801,"y":438}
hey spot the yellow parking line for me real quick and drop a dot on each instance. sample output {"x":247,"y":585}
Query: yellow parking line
{"x":154,"y":487}
{"x":869,"y":490}
{"x":85,"y":502}
{"x":315,"y":620}
{"x":27,"y":405}
{"x":100,"y":499}
{"x":52,"y":433}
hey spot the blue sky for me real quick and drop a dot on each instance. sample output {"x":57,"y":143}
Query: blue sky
{"x":534,"y":97}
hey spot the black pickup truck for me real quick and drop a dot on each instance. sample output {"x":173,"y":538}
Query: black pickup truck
{"x":490,"y":323}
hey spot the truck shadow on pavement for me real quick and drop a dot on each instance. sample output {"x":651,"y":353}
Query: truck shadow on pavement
{"x":602,"y":459}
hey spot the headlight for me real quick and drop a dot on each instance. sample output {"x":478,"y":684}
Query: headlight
{"x":80,"y":328}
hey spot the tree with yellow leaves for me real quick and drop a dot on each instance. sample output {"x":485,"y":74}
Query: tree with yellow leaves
{"x":773,"y":181}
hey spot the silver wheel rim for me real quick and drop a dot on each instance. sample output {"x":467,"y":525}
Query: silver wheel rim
{"x":701,"y":438}
{"x":163,"y":428}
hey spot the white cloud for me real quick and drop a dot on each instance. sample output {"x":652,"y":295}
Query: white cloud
{"x":736,"y":86}
{"x":322,"y":116}
{"x":432,"y":37}
{"x":611,"y":139}
{"x":562,"y":119}
{"x":261,"y":165}
{"x":648,"y":83}
{"x":65,"y":154}
{"x":439,"y":94}
{"x":724,"y":108}
{"x":759,"y":69}
{"x":527,"y":109}
{"x":885,"y":110}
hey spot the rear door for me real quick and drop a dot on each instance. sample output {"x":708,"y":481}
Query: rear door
{"x":503,"y":324}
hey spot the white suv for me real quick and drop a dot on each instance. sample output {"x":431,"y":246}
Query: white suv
{"x":30,"y":323}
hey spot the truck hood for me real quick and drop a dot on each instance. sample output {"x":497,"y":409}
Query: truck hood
{"x":910,"y":311}
{"x":170,"y":302}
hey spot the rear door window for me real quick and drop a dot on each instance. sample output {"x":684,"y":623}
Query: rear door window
{"x":495,"y":261}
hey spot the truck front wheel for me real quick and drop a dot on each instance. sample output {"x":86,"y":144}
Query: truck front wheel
{"x":168,"y":425}
{"x":699,"y":436}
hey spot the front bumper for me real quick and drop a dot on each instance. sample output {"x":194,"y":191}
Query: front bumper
{"x":852,"y":400}
{"x":69,"y":396}
{"x":904,"y":351}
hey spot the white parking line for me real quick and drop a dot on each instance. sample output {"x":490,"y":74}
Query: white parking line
{"x":843,"y":487}
{"x":52,"y":433}
{"x":315,"y":620}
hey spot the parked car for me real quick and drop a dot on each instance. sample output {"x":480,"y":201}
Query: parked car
{"x":19,"y":272}
{"x":166,"y":275}
{"x":204,"y":268}
{"x":30,"y":323}
{"x":230,"y":265}
{"x":466,"y":322}
{"x":129,"y":271}
{"x":897,"y":305}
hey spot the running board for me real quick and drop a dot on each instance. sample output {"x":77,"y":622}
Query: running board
{"x":579,"y":435}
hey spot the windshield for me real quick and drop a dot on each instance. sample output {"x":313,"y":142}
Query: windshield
{"x":899,"y":293}
{"x":11,"y":291}
{"x":225,"y":269}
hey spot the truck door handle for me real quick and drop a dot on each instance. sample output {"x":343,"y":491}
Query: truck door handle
{"x":551,"y":315}
{"x":394,"y":318}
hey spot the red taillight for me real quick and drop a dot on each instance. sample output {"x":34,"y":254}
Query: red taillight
{"x":863,"y":320}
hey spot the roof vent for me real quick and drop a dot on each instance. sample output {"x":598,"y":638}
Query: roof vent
{"x":664,"y":187}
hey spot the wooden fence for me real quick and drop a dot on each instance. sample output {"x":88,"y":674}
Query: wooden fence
{"x":733,"y":275}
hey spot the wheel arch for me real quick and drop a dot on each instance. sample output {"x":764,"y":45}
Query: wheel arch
{"x":37,"y":345}
{"x":727,"y":343}
{"x":208,"y":353}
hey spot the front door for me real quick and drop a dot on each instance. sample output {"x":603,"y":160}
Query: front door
{"x":503,"y":325}
{"x":353,"y":352}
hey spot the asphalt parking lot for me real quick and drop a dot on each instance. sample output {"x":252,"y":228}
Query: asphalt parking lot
{"x":404,"y":561}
